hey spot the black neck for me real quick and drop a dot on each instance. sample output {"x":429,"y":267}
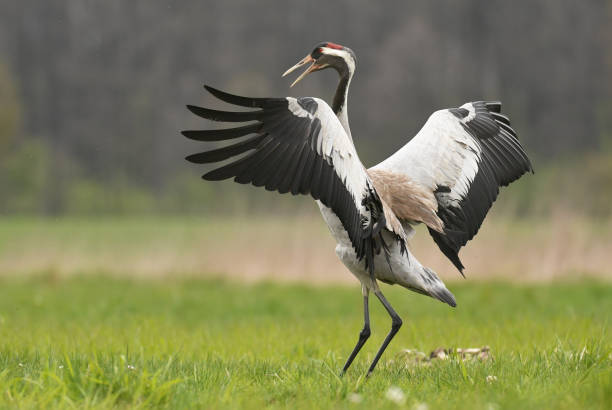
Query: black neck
{"x":341,"y":92}
{"x":340,"y":100}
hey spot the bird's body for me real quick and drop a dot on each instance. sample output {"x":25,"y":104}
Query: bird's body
{"x":402,"y":268}
{"x":446,"y":177}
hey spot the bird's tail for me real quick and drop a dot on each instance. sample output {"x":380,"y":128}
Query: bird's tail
{"x":435,"y":288}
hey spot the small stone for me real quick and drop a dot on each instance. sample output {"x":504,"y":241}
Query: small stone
{"x":396,"y":395}
{"x":414,"y":355}
{"x":491,"y":378}
{"x":355,"y":398}
{"x":439,"y":353}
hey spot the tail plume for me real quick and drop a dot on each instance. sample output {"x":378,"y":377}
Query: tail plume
{"x":436,"y":288}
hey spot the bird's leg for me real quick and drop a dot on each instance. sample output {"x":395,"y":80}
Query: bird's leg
{"x":396,"y":323}
{"x":365,"y":332}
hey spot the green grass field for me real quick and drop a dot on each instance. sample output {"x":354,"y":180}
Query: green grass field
{"x":98,"y":343}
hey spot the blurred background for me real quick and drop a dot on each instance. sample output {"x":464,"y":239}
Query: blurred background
{"x":93,"y":94}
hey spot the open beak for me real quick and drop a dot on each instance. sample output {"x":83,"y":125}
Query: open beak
{"x":313,"y":67}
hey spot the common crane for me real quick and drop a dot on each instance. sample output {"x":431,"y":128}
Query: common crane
{"x":446,"y":177}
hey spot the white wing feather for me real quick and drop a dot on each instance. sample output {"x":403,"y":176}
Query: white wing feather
{"x":462,"y":156}
{"x":441,"y":154}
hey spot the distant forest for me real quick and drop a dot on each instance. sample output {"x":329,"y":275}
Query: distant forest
{"x":93,"y":93}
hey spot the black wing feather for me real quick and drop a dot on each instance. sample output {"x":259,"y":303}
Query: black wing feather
{"x":224,"y":153}
{"x":502,"y":161}
{"x":222,"y":135}
{"x":286,"y":156}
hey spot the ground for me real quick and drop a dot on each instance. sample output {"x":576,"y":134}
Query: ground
{"x":99,"y":342}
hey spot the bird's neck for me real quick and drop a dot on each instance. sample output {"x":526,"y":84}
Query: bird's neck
{"x":339,"y":104}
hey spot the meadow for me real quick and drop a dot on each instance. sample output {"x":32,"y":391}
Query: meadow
{"x":190,"y":313}
{"x":99,"y":343}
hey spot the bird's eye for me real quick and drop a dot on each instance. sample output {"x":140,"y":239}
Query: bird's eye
{"x":316,"y":53}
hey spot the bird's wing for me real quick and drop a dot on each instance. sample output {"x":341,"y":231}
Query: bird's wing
{"x":462,"y":156}
{"x":298,"y":145}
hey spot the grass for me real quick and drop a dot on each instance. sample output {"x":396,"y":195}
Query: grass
{"x":99,"y":343}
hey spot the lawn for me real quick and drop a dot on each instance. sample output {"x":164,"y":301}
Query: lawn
{"x":100,"y":342}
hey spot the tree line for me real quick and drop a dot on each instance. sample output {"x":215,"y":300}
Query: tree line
{"x":95,"y":91}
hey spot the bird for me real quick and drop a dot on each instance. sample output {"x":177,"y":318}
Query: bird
{"x":447,"y":177}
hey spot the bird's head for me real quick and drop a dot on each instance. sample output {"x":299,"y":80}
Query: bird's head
{"x":326,"y":55}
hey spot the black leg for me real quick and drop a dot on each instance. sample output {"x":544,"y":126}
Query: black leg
{"x":365,"y":332}
{"x":396,"y":323}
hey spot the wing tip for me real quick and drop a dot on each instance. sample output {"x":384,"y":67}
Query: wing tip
{"x":235,"y":99}
{"x":193,"y":158}
{"x":193,"y":135}
{"x":210,"y":176}
{"x":194,"y":109}
{"x":494,"y":106}
{"x":210,"y":89}
{"x":453,"y":255}
{"x":449,"y":248}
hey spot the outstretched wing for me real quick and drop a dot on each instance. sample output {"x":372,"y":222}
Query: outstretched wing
{"x":462,"y":155}
{"x":297,"y":145}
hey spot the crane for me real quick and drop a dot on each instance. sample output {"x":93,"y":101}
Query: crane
{"x":446,"y":177}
